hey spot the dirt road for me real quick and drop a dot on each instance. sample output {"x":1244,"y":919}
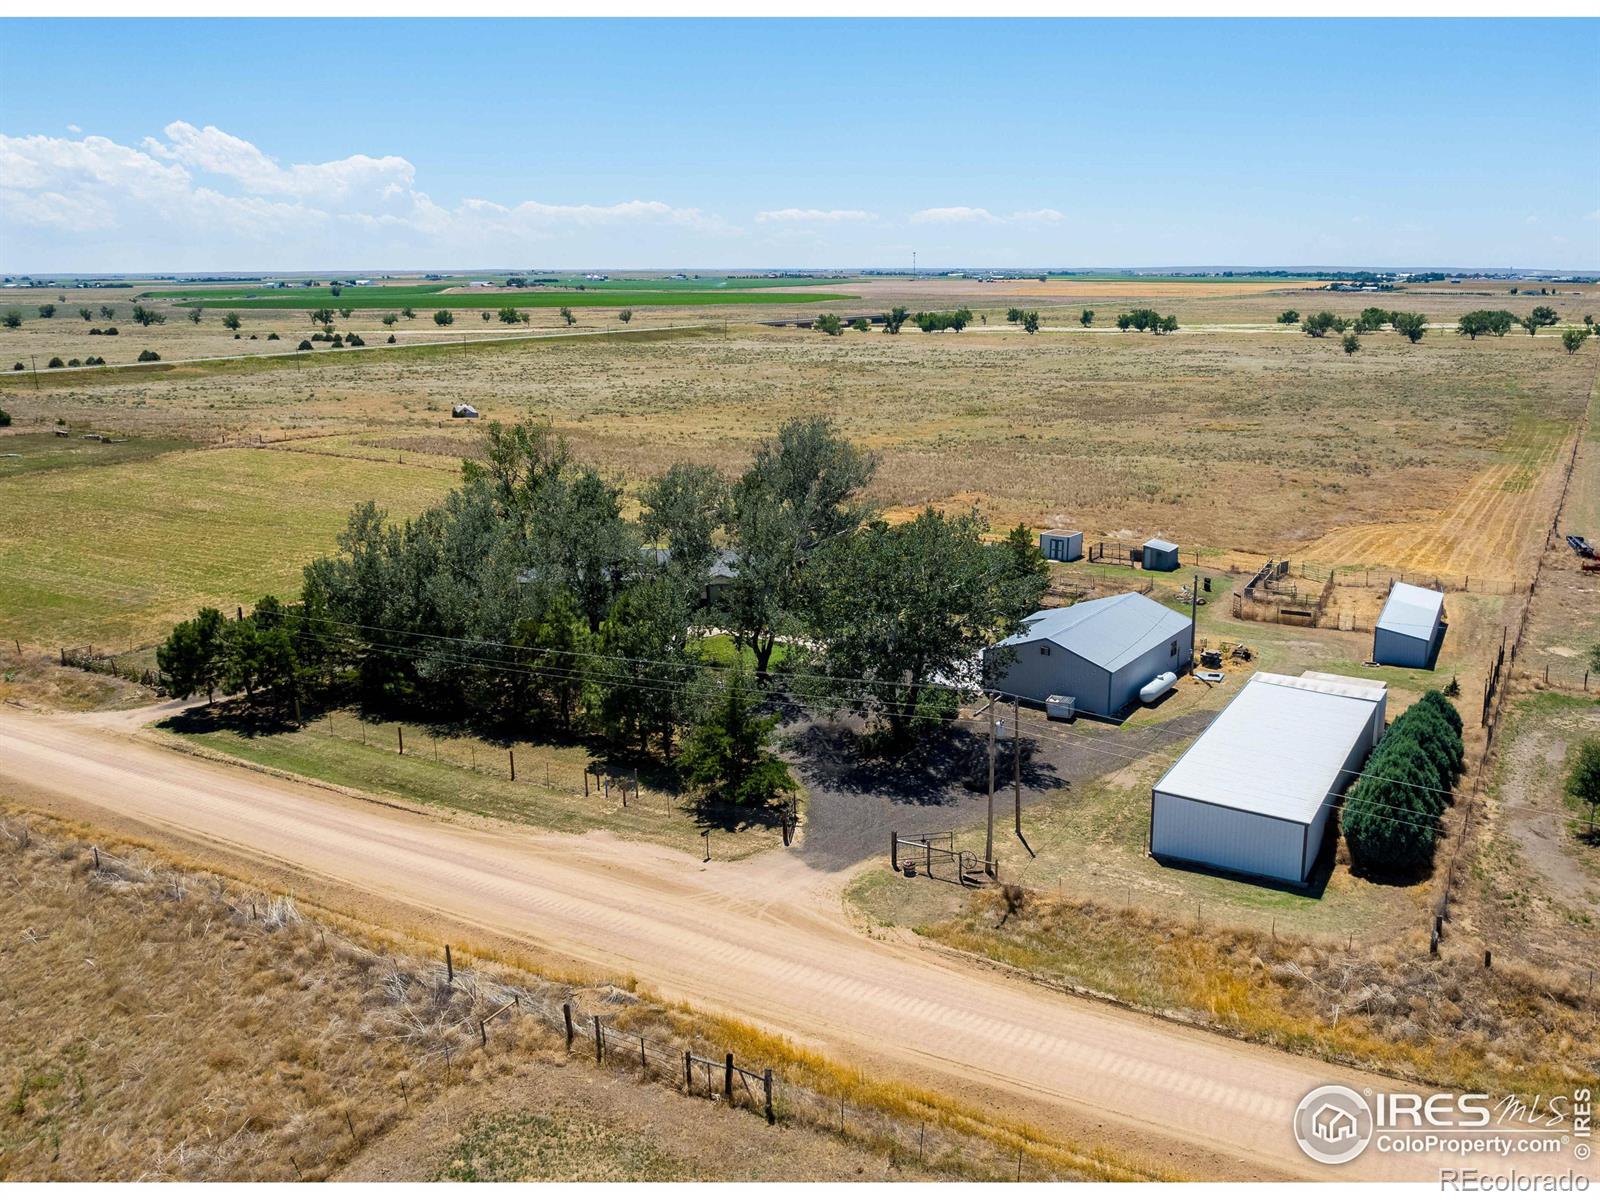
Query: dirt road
{"x":763,"y":939}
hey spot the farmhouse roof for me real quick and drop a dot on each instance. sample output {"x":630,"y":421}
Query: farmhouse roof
{"x":1278,"y":748}
{"x":1411,"y":611}
{"x":1109,"y":632}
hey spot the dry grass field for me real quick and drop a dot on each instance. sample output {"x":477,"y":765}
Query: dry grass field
{"x":1259,"y":440}
{"x":166,"y":1023}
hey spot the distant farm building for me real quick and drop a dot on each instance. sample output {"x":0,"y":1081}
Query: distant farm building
{"x":1255,"y":793}
{"x":1099,"y":652}
{"x":1160,"y":555}
{"x":1061,"y":545}
{"x":463,"y":410}
{"x":1410,"y":629}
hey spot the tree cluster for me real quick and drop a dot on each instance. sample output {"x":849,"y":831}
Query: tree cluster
{"x":526,"y":601}
{"x":1147,"y":319}
{"x":1483,"y":320}
{"x":939,"y":322}
{"x":1392,"y":815}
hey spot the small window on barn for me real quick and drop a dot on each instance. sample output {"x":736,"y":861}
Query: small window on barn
{"x":1174,"y":650}
{"x":1045,"y":649}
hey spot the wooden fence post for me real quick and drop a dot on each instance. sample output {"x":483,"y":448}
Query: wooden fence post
{"x":511,"y":757}
{"x":599,"y":1042}
{"x":766,"y":1086}
{"x":449,"y":965}
{"x":566,"y":1013}
{"x":644,"y":1063}
{"x":727,"y":1078}
{"x":688,"y":1072}
{"x":400,"y":740}
{"x":894,"y":850}
{"x":483,"y":1035}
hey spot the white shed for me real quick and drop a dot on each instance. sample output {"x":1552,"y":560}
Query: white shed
{"x":1410,"y":629}
{"x":1253,"y":795}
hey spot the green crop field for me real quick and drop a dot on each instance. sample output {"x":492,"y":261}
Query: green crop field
{"x":434,"y":296}
{"x":115,"y":553}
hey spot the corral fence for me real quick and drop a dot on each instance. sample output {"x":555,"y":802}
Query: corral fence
{"x":1273,"y":594}
{"x":1385,"y":578}
{"x":936,"y":856}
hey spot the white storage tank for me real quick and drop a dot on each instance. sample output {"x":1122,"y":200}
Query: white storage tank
{"x":1157,"y":687}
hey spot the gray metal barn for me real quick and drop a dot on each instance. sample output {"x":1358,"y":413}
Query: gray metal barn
{"x":1160,"y":555}
{"x":1410,"y":629}
{"x":1255,"y":792}
{"x":1100,"y":652}
{"x":1061,"y":545}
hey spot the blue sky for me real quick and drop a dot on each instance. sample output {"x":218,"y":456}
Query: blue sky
{"x":332,"y":144}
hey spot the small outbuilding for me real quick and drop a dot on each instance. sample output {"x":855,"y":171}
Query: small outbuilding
{"x":1061,"y":545}
{"x":463,"y":410}
{"x":1099,"y":653}
{"x":1255,"y":792}
{"x":1160,"y":555}
{"x":1410,"y":629}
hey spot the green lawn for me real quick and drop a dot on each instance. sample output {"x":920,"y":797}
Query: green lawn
{"x":46,"y":452}
{"x":469,"y":774}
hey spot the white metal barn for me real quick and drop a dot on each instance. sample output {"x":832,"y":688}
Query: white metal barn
{"x":1254,"y":794}
{"x":1100,"y":652}
{"x":1410,"y":628}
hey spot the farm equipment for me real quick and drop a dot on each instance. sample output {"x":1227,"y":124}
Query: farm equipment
{"x":1581,"y":546}
{"x":1592,"y":565}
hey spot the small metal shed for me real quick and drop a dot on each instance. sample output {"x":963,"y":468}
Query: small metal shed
{"x":1410,"y":629}
{"x":1160,"y":555}
{"x":1255,"y":792}
{"x":1061,"y":545}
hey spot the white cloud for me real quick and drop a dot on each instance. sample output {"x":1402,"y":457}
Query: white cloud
{"x":960,"y":213}
{"x":74,"y":129}
{"x":1038,"y":214}
{"x":206,"y":199}
{"x":815,"y":214}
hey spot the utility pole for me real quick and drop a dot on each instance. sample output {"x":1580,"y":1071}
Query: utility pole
{"x":988,"y":840}
{"x":1194,"y":604}
{"x":1016,"y":758}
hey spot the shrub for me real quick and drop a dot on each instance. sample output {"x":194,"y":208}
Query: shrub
{"x":272,"y":337}
{"x":1391,"y":816}
{"x":55,"y":362}
{"x":353,"y":339}
{"x":305,"y":345}
{"x":17,"y":367}
{"x":149,"y":356}
{"x":391,"y":339}
{"x":1351,"y":343}
{"x":231,"y":321}
{"x":389,"y":318}
{"x":625,"y":315}
{"x":444,"y":317}
{"x":12,"y":319}
{"x":861,"y":325}
{"x":829,"y":324}
{"x":5,"y":417}
{"x":1289,"y":316}
{"x":47,"y":311}
{"x":74,"y":362}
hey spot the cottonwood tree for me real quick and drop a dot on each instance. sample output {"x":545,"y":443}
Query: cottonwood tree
{"x":682,"y":509}
{"x":566,"y":315}
{"x":896,"y":317}
{"x":231,"y":321}
{"x":1573,"y":339}
{"x":1410,"y":326}
{"x":1351,"y":343}
{"x":829,"y":324}
{"x":148,"y":316}
{"x":194,"y":314}
{"x":1583,"y":782}
{"x":801,"y":492}
{"x":625,"y":315}
{"x":903,"y":610}
{"x":650,"y":668}
{"x":1086,"y":318}
{"x":444,"y":317}
{"x":1539,"y":318}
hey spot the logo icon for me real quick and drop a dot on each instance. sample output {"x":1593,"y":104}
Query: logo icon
{"x":1333,"y":1124}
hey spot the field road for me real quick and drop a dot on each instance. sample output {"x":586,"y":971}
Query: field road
{"x":763,"y":939}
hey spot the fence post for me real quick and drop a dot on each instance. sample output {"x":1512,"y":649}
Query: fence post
{"x":894,"y":850}
{"x":766,"y":1087}
{"x":400,"y":739}
{"x":566,"y":1014}
{"x":483,"y":1035}
{"x":511,"y":757}
{"x":727,"y":1078}
{"x":688,"y":1072}
{"x":599,"y":1042}
{"x":449,"y":965}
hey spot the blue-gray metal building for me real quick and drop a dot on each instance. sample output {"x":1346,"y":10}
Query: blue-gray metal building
{"x":1160,"y":555}
{"x":1100,"y":652}
{"x":1410,"y":629}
